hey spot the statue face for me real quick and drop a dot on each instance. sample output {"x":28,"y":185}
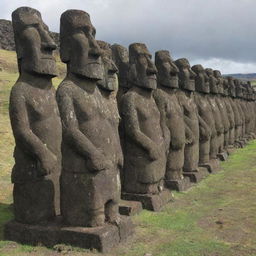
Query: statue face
{"x":34,"y":45}
{"x":212,"y":81}
{"x":219,"y":78}
{"x":186,"y":75}
{"x":167,"y":71}
{"x":142,"y":71}
{"x":110,"y":80}
{"x":79,"y":48}
{"x":231,"y":87}
{"x":201,"y":79}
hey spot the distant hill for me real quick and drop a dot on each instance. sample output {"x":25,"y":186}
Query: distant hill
{"x":249,"y":76}
{"x":7,"y":38}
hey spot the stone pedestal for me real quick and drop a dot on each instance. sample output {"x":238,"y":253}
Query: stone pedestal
{"x":231,"y":149}
{"x":198,"y":175}
{"x":222,"y":156}
{"x":130,"y":208}
{"x":215,"y":165}
{"x":49,"y":234}
{"x":179,"y":185}
{"x":150,"y":202}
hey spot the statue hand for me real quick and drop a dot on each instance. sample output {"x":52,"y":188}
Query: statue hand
{"x":48,"y":164}
{"x":98,"y":162}
{"x":154,"y":153}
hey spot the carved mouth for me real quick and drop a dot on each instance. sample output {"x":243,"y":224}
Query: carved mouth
{"x":153,"y":77}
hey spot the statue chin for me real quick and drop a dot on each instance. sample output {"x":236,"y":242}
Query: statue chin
{"x":92,"y":71}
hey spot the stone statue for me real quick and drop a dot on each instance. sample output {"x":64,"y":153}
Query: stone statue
{"x":120,"y":57}
{"x":230,"y":112}
{"x":224,"y":138}
{"x":237,"y":100}
{"x":237,"y":119}
{"x":214,"y":143}
{"x":90,"y":185}
{"x":145,"y":155}
{"x":206,"y":121}
{"x":35,"y":121}
{"x":191,"y":119}
{"x":172,"y":120}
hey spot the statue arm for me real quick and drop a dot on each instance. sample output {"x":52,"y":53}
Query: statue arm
{"x":25,"y":137}
{"x":205,"y":131}
{"x":75,"y":138}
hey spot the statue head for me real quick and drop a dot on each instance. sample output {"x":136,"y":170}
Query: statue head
{"x":231,"y":87}
{"x":219,"y":78}
{"x":212,"y":81}
{"x":201,"y":79}
{"x":120,"y":57}
{"x":167,"y":71}
{"x":186,"y":75}
{"x":142,"y":71}
{"x":78,"y":47}
{"x":109,"y":81}
{"x":34,"y":45}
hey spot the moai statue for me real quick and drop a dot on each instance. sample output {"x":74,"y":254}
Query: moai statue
{"x":207,"y":129}
{"x":35,"y":122}
{"x":90,"y":185}
{"x":120,"y":57}
{"x":190,"y":115}
{"x":230,"y":113}
{"x":238,"y":120}
{"x":214,"y":143}
{"x":109,"y":87}
{"x":172,"y":120}
{"x":224,"y":138}
{"x":145,"y":154}
{"x":250,"y":107}
{"x":239,"y":94}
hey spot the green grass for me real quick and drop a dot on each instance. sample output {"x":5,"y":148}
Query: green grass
{"x":214,"y":218}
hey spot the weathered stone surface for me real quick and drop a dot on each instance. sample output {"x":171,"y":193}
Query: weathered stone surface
{"x":90,"y":184}
{"x":129,"y":208}
{"x":120,"y":57}
{"x":35,"y":121}
{"x":206,"y":121}
{"x":102,"y":238}
{"x":214,"y":143}
{"x":197,"y":176}
{"x":172,"y":120}
{"x":151,"y":202}
{"x":190,"y":114}
{"x":144,"y":158}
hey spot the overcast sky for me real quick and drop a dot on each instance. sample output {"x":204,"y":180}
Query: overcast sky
{"x":220,"y":34}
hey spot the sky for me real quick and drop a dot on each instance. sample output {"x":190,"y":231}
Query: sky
{"x":220,"y":34}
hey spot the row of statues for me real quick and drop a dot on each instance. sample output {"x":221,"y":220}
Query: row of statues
{"x":118,"y":126}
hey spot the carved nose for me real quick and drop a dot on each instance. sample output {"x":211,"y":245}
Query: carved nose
{"x":95,"y":50}
{"x":49,"y":46}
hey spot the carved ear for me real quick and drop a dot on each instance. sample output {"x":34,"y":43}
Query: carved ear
{"x":132,"y":73}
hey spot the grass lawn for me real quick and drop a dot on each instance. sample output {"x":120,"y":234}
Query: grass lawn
{"x":214,"y":218}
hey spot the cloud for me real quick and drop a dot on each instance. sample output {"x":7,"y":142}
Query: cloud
{"x":196,"y":29}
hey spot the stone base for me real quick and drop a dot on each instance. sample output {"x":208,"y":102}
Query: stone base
{"x":150,"y":202}
{"x":223,"y":156}
{"x":197,"y":176}
{"x":179,"y":185}
{"x":231,"y":150}
{"x":51,"y":233}
{"x":215,"y":164}
{"x":130,"y":208}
